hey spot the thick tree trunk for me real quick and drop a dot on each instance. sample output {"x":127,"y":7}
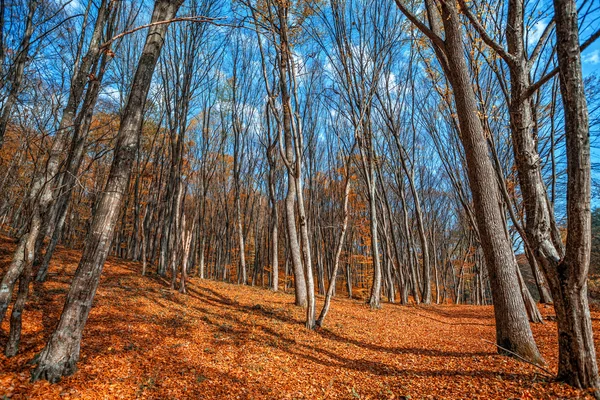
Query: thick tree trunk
{"x":512,"y":327}
{"x":577,"y":355}
{"x":61,"y":353}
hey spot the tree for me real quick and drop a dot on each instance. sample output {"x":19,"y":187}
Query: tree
{"x":60,"y":356}
{"x":565,"y":267}
{"x":568,"y":273}
{"x":513,"y":332}
{"x":40,"y":195}
{"x":17,"y":69}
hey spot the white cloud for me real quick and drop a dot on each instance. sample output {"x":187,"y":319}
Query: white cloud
{"x":535,"y":33}
{"x":593,"y":57}
{"x":72,"y":7}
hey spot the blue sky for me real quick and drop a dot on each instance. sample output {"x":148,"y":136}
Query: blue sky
{"x":590,"y":61}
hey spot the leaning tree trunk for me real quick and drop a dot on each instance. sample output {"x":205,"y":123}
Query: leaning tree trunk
{"x":16,"y":71}
{"x":513,"y":332}
{"x":532,"y":311}
{"x":338,"y":254}
{"x":73,"y":164}
{"x":14,"y":337}
{"x":61,"y":353}
{"x":40,"y":195}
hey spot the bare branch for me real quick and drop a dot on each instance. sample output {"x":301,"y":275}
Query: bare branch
{"x":535,"y":87}
{"x":438,"y":41}
{"x":198,"y":18}
{"x":540,"y":43}
{"x":509,"y":58}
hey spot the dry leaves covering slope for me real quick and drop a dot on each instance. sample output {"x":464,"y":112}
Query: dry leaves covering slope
{"x":224,"y":341}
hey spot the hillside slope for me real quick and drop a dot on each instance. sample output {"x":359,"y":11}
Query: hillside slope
{"x":224,"y":341}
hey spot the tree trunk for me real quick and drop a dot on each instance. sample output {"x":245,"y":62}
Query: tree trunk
{"x":73,"y":164}
{"x":512,"y":326}
{"x":274,"y":234}
{"x":16,"y":71}
{"x":338,"y":254}
{"x":577,"y":355}
{"x":41,"y":194}
{"x":533,"y":313}
{"x":14,"y":338}
{"x":292,"y":192}
{"x":60,"y":356}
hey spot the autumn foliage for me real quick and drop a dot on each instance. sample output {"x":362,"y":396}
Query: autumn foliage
{"x":229,"y":341}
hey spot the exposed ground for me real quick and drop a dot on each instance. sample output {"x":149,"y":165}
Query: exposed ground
{"x":224,"y":341}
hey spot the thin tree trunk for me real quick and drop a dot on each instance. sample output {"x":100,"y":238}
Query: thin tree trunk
{"x":14,"y":338}
{"x":41,"y":194}
{"x":338,"y":254}
{"x":17,"y":70}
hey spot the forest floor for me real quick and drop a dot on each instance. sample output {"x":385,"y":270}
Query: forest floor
{"x":224,"y":341}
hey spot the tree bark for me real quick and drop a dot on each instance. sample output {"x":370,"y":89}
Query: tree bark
{"x":292,"y":190}
{"x":338,"y":254}
{"x":568,"y":277}
{"x":60,"y":356}
{"x":512,"y":326}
